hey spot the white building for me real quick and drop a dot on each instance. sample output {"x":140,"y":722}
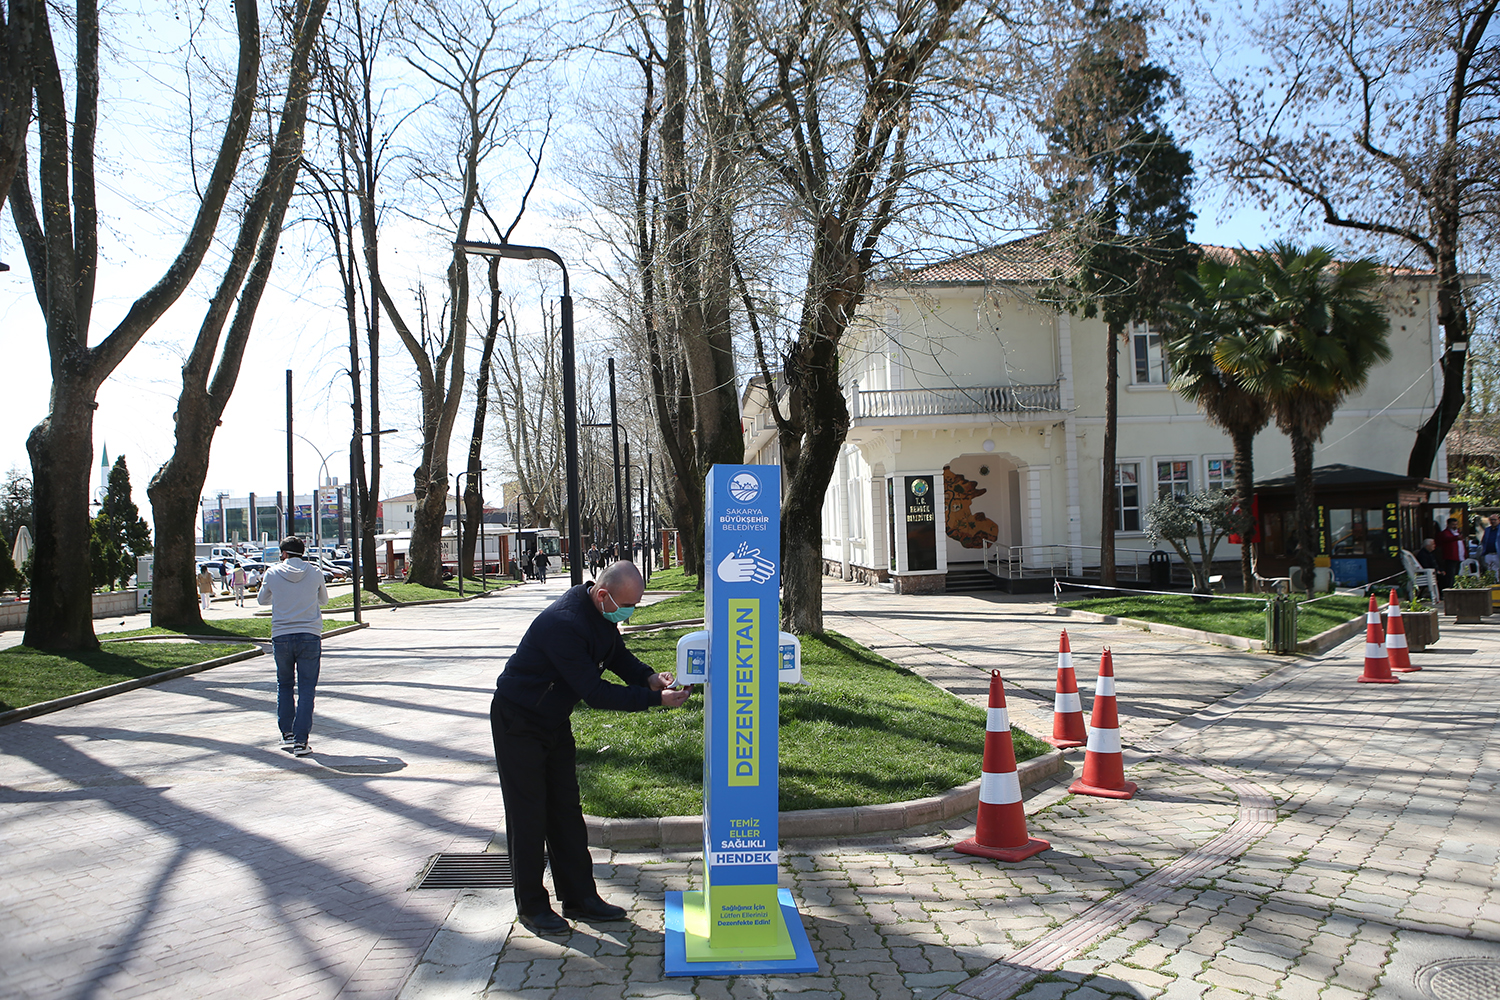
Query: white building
{"x":396,"y":513}
{"x":968,"y":396}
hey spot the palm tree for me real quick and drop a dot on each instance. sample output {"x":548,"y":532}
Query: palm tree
{"x":1314,"y":330}
{"x":1209,"y":309}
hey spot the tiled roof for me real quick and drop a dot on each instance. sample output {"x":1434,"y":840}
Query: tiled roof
{"x":1031,"y":260}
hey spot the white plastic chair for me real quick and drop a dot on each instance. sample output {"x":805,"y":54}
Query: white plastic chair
{"x":1419,"y":575}
{"x":1469,"y":567}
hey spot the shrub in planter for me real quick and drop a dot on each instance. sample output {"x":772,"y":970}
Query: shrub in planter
{"x":1469,"y":599}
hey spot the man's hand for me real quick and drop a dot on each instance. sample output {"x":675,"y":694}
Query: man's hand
{"x":660,"y":682}
{"x":676,"y":699}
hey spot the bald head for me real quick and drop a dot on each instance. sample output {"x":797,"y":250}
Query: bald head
{"x":623,"y":582}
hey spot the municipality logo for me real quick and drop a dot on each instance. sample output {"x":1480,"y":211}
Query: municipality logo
{"x":744,"y":487}
{"x":919,"y":488}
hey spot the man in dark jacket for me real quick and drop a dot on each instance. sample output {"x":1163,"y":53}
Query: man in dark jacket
{"x":559,"y":662}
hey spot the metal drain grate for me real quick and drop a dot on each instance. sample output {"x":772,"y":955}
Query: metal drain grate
{"x":468,"y":871}
{"x":1461,"y":979}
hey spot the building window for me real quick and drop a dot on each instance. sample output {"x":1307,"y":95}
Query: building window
{"x":1127,"y":496}
{"x":1221,"y":474}
{"x":1149,"y":358}
{"x":1174,"y":477}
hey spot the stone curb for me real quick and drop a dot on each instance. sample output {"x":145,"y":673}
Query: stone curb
{"x":683,"y":831}
{"x":1215,"y":638}
{"x":1336,"y":636}
{"x":1320,"y":643}
{"x":84,"y":697}
{"x":383,"y":606}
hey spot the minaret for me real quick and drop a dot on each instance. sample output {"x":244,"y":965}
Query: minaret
{"x":103,"y":490}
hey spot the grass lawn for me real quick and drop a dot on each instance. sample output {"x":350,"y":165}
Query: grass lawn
{"x":672,"y":609}
{"x":28,"y":675}
{"x":672,"y":579}
{"x":229,"y":628}
{"x":396,"y":592}
{"x":862,"y":731}
{"x":1230,"y":617}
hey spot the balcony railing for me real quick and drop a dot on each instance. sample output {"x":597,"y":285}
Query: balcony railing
{"x":951,"y":402}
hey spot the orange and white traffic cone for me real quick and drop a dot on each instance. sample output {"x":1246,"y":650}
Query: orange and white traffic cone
{"x":1001,"y":831}
{"x":1067,"y":707}
{"x":1395,"y":638}
{"x":1377,"y":664}
{"x":1103,"y":761}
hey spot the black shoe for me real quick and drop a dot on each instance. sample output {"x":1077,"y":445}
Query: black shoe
{"x":594,"y":909}
{"x":545,"y":924}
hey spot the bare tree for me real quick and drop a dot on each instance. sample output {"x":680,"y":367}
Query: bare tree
{"x":15,"y":94}
{"x":351,"y":116}
{"x":836,"y":131}
{"x":207,"y":386}
{"x":461,"y":52}
{"x":62,"y":251}
{"x":1381,"y":119}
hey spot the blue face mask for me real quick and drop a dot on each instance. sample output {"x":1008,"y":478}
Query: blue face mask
{"x":620,"y":613}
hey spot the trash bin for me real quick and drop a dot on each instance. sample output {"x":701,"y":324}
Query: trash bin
{"x":1281,"y":624}
{"x":1160,"y":565}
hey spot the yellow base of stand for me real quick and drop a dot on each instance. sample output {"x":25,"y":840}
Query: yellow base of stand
{"x":695,"y":937}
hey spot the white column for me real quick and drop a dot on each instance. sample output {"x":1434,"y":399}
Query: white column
{"x":1070,"y":441}
{"x":1035,"y":489}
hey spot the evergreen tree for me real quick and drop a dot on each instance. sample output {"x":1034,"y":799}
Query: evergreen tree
{"x":119,"y":533}
{"x":1121,"y":194}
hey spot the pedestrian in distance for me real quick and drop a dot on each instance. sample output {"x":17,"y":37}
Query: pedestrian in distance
{"x":205,"y":587}
{"x":1427,"y":558}
{"x":237,"y":582}
{"x":1489,"y":546}
{"x":296,"y":593}
{"x":591,"y":560}
{"x":560,"y":661}
{"x":1450,"y":546}
{"x":539,"y":564}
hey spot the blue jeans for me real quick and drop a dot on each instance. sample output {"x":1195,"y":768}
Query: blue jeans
{"x":297,"y":657}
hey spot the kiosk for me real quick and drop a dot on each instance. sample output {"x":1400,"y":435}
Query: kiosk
{"x":742,"y":922}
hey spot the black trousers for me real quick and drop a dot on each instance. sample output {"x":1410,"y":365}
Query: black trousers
{"x":539,"y":781}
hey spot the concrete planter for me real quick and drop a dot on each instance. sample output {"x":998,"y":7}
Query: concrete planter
{"x":1421,"y":628}
{"x":1468,"y":607}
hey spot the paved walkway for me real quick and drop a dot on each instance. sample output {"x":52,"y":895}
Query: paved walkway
{"x":1296,"y":834}
{"x":160,"y":844}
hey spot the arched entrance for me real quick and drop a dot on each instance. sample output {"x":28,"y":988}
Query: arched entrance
{"x":984,"y":504}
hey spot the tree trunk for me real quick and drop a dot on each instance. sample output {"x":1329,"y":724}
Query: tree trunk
{"x":1430,"y":436}
{"x":1307,"y":513}
{"x":61,"y":614}
{"x":473,"y":499}
{"x":425,"y":552}
{"x":174,"y":511}
{"x":1111,"y":429}
{"x":1244,"y":488}
{"x":826,"y":419}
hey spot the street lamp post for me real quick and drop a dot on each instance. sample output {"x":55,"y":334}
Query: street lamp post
{"x":513,"y":251}
{"x":458,"y":531}
{"x":619,"y":503}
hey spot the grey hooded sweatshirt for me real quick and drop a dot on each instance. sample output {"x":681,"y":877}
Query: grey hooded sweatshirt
{"x":295,"y":591}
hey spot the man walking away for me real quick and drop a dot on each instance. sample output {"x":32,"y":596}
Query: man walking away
{"x":560,"y":661}
{"x":295,"y":591}
{"x":539,"y":563}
